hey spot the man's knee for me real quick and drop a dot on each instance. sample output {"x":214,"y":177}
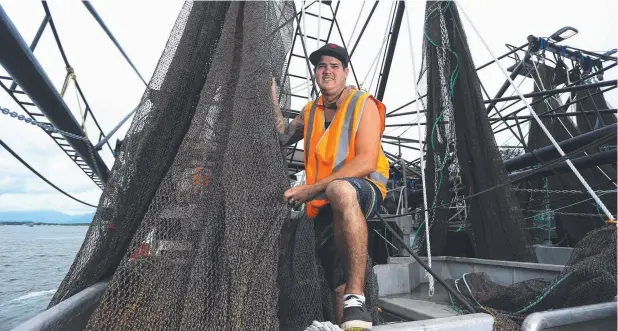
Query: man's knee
{"x":341,"y":194}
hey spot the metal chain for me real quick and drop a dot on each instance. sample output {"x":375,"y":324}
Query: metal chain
{"x":562,"y":191}
{"x":542,"y":211}
{"x":50,"y":128}
{"x":449,"y":112}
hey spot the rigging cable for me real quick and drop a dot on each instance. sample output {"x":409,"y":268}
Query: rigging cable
{"x":317,"y":40}
{"x":420,"y":145}
{"x":99,"y":20}
{"x":374,"y":70}
{"x":355,"y":24}
{"x":304,"y":40}
{"x":71,"y":76}
{"x":50,"y":128}
{"x":41,"y":176}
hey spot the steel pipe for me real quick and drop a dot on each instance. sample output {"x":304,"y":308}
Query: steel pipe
{"x":71,"y":314}
{"x":553,"y":319}
{"x":556,"y":91}
{"x":549,"y":152}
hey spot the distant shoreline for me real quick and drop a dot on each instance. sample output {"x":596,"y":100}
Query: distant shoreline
{"x":42,"y":223}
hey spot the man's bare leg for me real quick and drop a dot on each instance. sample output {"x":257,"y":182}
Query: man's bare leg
{"x":350,"y":231}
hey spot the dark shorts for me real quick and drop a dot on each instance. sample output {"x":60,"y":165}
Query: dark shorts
{"x":369,"y":199}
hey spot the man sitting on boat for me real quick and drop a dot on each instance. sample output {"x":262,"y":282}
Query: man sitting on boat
{"x":346,"y":175}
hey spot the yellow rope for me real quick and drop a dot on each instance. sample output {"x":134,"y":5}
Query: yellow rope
{"x":79,"y":105}
{"x":71,"y":77}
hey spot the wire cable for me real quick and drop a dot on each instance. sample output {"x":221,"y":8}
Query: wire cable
{"x":8,"y":149}
{"x":447,"y":287}
{"x":420,"y":145}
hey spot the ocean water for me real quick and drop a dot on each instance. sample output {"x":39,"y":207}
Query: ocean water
{"x":33,"y":262}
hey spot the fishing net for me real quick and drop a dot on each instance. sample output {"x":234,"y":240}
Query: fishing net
{"x":150,"y":146}
{"x":192,"y":231}
{"x":589,"y":277}
{"x":557,"y":205}
{"x":462,"y":155}
{"x":591,"y":101}
{"x":305,"y":293}
{"x":188,"y":226}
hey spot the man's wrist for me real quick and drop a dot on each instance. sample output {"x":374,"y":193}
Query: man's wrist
{"x":321,"y":185}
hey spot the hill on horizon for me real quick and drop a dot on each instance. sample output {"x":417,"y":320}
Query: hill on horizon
{"x":45,"y":216}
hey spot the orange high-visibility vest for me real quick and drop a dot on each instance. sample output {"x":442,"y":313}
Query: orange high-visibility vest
{"x":327,"y":150}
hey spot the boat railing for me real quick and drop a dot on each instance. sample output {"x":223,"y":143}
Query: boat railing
{"x":70,"y":314}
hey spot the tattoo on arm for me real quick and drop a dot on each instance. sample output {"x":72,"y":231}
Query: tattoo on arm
{"x":293,"y":132}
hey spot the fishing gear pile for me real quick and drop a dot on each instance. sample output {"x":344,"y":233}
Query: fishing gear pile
{"x":589,"y":277}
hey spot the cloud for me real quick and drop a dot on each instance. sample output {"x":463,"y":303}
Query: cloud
{"x":111,"y":88}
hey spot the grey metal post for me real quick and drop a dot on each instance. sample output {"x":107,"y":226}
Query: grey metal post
{"x":405,"y":184}
{"x":111,"y":133}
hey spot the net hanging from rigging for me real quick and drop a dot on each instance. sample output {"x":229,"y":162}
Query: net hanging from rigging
{"x":188,"y":227}
{"x":568,"y":228}
{"x":589,"y":276}
{"x":462,"y":155}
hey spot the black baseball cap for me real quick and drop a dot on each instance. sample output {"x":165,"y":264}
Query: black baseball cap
{"x":333,"y":50}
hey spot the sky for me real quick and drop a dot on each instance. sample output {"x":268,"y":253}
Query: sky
{"x":142,"y":28}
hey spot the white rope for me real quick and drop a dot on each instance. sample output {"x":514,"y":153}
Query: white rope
{"x":355,"y":25}
{"x":538,"y":120}
{"x":431,"y":281}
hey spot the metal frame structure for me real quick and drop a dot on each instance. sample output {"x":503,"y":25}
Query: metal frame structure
{"x":584,"y":66}
{"x":30,"y":87}
{"x":26,"y":73}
